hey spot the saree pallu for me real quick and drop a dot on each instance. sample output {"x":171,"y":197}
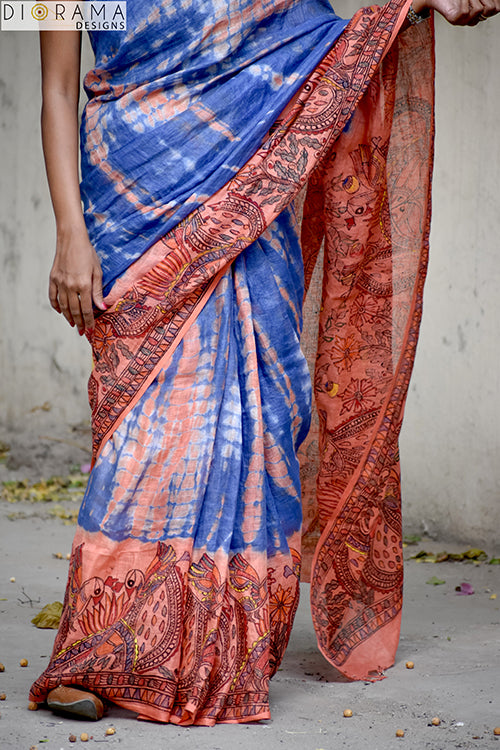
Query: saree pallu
{"x":183,"y":581}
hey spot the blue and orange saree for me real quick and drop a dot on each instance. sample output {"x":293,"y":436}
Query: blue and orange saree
{"x":223,"y":146}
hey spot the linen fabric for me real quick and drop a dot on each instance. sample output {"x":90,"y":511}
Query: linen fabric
{"x":223,"y":148}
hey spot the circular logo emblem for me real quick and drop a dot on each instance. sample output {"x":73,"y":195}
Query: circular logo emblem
{"x":39,"y":12}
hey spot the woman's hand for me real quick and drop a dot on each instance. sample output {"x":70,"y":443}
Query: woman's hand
{"x":76,"y":279}
{"x":461,"y":12}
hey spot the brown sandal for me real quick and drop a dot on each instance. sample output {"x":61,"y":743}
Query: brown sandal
{"x":75,"y":702}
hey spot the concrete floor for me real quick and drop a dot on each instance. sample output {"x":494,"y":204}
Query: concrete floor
{"x":454,"y":642}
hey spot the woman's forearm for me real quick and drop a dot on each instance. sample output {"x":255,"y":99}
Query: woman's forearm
{"x":60,"y":56}
{"x":60,"y":147}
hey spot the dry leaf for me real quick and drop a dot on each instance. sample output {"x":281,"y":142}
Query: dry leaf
{"x":49,"y":617}
{"x":58,"y":489}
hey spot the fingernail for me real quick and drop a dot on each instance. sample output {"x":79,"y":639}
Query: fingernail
{"x":81,"y":332}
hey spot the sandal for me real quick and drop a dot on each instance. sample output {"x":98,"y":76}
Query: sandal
{"x":75,"y":702}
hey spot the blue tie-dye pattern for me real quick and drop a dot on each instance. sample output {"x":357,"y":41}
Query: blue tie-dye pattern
{"x":215,"y":467}
{"x":241,"y":78}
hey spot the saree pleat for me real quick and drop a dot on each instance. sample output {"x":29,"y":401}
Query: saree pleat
{"x":184,"y":574}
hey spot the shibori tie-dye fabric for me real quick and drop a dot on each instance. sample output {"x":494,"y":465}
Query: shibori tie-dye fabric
{"x":180,"y":102}
{"x":183,"y":580}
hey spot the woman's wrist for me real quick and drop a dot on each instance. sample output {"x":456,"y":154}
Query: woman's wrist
{"x":71,"y":233}
{"x":71,"y":224}
{"x":420,"y":7}
{"x":418,"y":12}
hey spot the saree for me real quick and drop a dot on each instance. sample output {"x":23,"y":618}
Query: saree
{"x":224,"y":148}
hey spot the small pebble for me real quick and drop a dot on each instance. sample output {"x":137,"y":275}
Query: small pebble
{"x":2,"y":668}
{"x":400,"y":732}
{"x":436,"y":721}
{"x":58,"y":555}
{"x":32,"y":706}
{"x":347,"y":713}
{"x":496,"y":731}
{"x":23,"y":663}
{"x":110,"y":730}
{"x":12,"y":580}
{"x":84,"y":737}
{"x":72,"y":738}
{"x":68,"y":556}
{"x":2,"y":696}
{"x":409,"y":665}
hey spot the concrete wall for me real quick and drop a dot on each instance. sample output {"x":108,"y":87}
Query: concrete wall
{"x":451,"y":439}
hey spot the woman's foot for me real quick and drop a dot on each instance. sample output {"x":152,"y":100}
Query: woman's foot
{"x":75,"y":702}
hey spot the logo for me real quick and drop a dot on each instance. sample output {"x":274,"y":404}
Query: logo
{"x":55,"y":15}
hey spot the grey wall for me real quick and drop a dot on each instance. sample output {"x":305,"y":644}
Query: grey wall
{"x":450,"y":444}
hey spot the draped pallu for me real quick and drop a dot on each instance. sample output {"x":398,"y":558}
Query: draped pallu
{"x":184,"y":575}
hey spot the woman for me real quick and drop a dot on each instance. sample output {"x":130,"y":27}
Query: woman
{"x":210,"y":134}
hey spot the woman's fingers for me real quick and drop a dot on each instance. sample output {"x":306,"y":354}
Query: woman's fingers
{"x":478,"y":11}
{"x":75,"y":306}
{"x":475,"y":12}
{"x":54,"y":301}
{"x":465,"y":12}
{"x":80,"y":305}
{"x":462,"y":13}
{"x":481,"y":10}
{"x":87,"y":313}
{"x":490,"y":8}
{"x":64,"y":306}
{"x":76,"y":312}
{"x":97,"y":289}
